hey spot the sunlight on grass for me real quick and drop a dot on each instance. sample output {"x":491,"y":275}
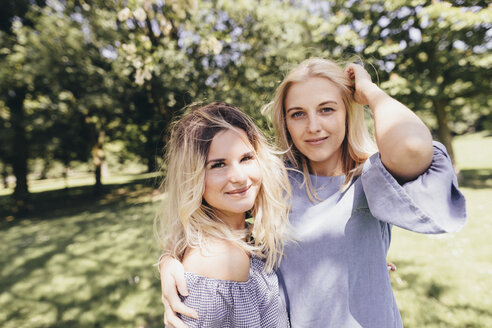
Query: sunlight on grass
{"x":86,"y":179}
{"x":474,"y":150}
{"x":445,"y":280}
{"x":440,"y":278}
{"x":86,"y":270}
{"x":93,"y":267}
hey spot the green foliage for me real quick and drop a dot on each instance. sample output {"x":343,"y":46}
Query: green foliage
{"x":431,"y":55}
{"x":75,"y":75}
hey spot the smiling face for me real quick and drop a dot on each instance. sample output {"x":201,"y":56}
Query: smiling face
{"x":232,"y":176}
{"x":315,"y":117}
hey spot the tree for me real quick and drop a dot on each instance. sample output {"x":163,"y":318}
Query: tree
{"x":434,"y":54}
{"x":58,"y":93}
{"x":182,"y":52}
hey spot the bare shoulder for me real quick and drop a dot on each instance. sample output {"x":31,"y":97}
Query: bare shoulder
{"x":223,"y":260}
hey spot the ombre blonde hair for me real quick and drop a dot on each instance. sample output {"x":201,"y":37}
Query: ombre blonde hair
{"x":186,"y":220}
{"x":357,"y":145}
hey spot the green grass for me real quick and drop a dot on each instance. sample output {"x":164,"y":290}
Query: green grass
{"x":445,"y":280}
{"x":474,"y":151}
{"x":79,"y":180}
{"x":82,"y":261}
{"x":92,"y":269}
{"x":90,"y":264}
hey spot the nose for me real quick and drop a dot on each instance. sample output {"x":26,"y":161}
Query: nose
{"x":313,"y":124}
{"x":237,"y":174}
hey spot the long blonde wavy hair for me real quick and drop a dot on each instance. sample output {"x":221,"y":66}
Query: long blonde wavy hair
{"x":357,"y":145}
{"x":186,"y":220}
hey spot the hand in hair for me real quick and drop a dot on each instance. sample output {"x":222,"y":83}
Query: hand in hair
{"x":172,"y":281}
{"x":362,"y":83}
{"x":404,"y":142}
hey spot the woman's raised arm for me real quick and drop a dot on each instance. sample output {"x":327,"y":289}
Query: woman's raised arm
{"x":404,"y":142}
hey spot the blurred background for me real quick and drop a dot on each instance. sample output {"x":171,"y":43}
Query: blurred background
{"x":88,"y":88}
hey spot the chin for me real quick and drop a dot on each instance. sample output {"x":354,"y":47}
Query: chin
{"x":317,"y":157}
{"x":241,"y":208}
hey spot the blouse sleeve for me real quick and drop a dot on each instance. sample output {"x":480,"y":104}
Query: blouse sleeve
{"x":432,"y":203}
{"x":222,"y":303}
{"x":216,"y":301}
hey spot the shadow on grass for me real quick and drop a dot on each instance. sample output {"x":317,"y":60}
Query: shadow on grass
{"x":54,"y":203}
{"x":476,"y":178}
{"x":431,"y":301}
{"x":92,"y":268}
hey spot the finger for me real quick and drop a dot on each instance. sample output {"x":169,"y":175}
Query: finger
{"x":351,"y":74}
{"x":170,"y":297}
{"x":184,"y":310}
{"x":172,"y":280}
{"x":172,"y":320}
{"x":178,"y":306}
{"x":349,"y":70}
{"x":391,"y":266}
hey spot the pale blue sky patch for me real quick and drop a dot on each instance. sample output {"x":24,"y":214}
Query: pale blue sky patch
{"x":415,"y":34}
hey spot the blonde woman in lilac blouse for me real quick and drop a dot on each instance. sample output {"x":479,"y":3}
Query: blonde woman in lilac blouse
{"x":348,"y":190}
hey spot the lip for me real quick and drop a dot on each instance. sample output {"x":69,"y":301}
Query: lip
{"x":315,"y":141}
{"x":239,"y":191}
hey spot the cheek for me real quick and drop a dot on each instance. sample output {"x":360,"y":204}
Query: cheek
{"x":293,"y":129}
{"x":255,"y":173}
{"x":212,"y":186}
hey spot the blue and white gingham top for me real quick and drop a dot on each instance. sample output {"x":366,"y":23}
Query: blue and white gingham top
{"x":224,"y":303}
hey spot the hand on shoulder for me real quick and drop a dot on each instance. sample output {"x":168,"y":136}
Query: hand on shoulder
{"x":221,"y":260}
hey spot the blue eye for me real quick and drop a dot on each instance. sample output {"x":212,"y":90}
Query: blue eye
{"x":297,"y":114}
{"x":247,"y":158}
{"x":327,"y":109}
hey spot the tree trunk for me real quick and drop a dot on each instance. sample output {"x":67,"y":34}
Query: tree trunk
{"x":46,"y":167}
{"x":98,"y":160}
{"x":66,"y":169}
{"x":5,"y":175}
{"x":151,"y":149}
{"x":444,"y":132}
{"x":151,"y":163}
{"x":15,"y":101}
{"x":155,"y":95}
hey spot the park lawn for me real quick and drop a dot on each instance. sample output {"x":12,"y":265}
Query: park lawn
{"x":91,"y":265}
{"x":90,"y":269}
{"x":445,"y":280}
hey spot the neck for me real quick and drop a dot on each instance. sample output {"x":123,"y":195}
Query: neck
{"x":328,"y":168}
{"x":234,"y":221}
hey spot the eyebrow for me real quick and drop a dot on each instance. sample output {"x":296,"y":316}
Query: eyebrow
{"x":218,"y":160}
{"x":319,"y":105}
